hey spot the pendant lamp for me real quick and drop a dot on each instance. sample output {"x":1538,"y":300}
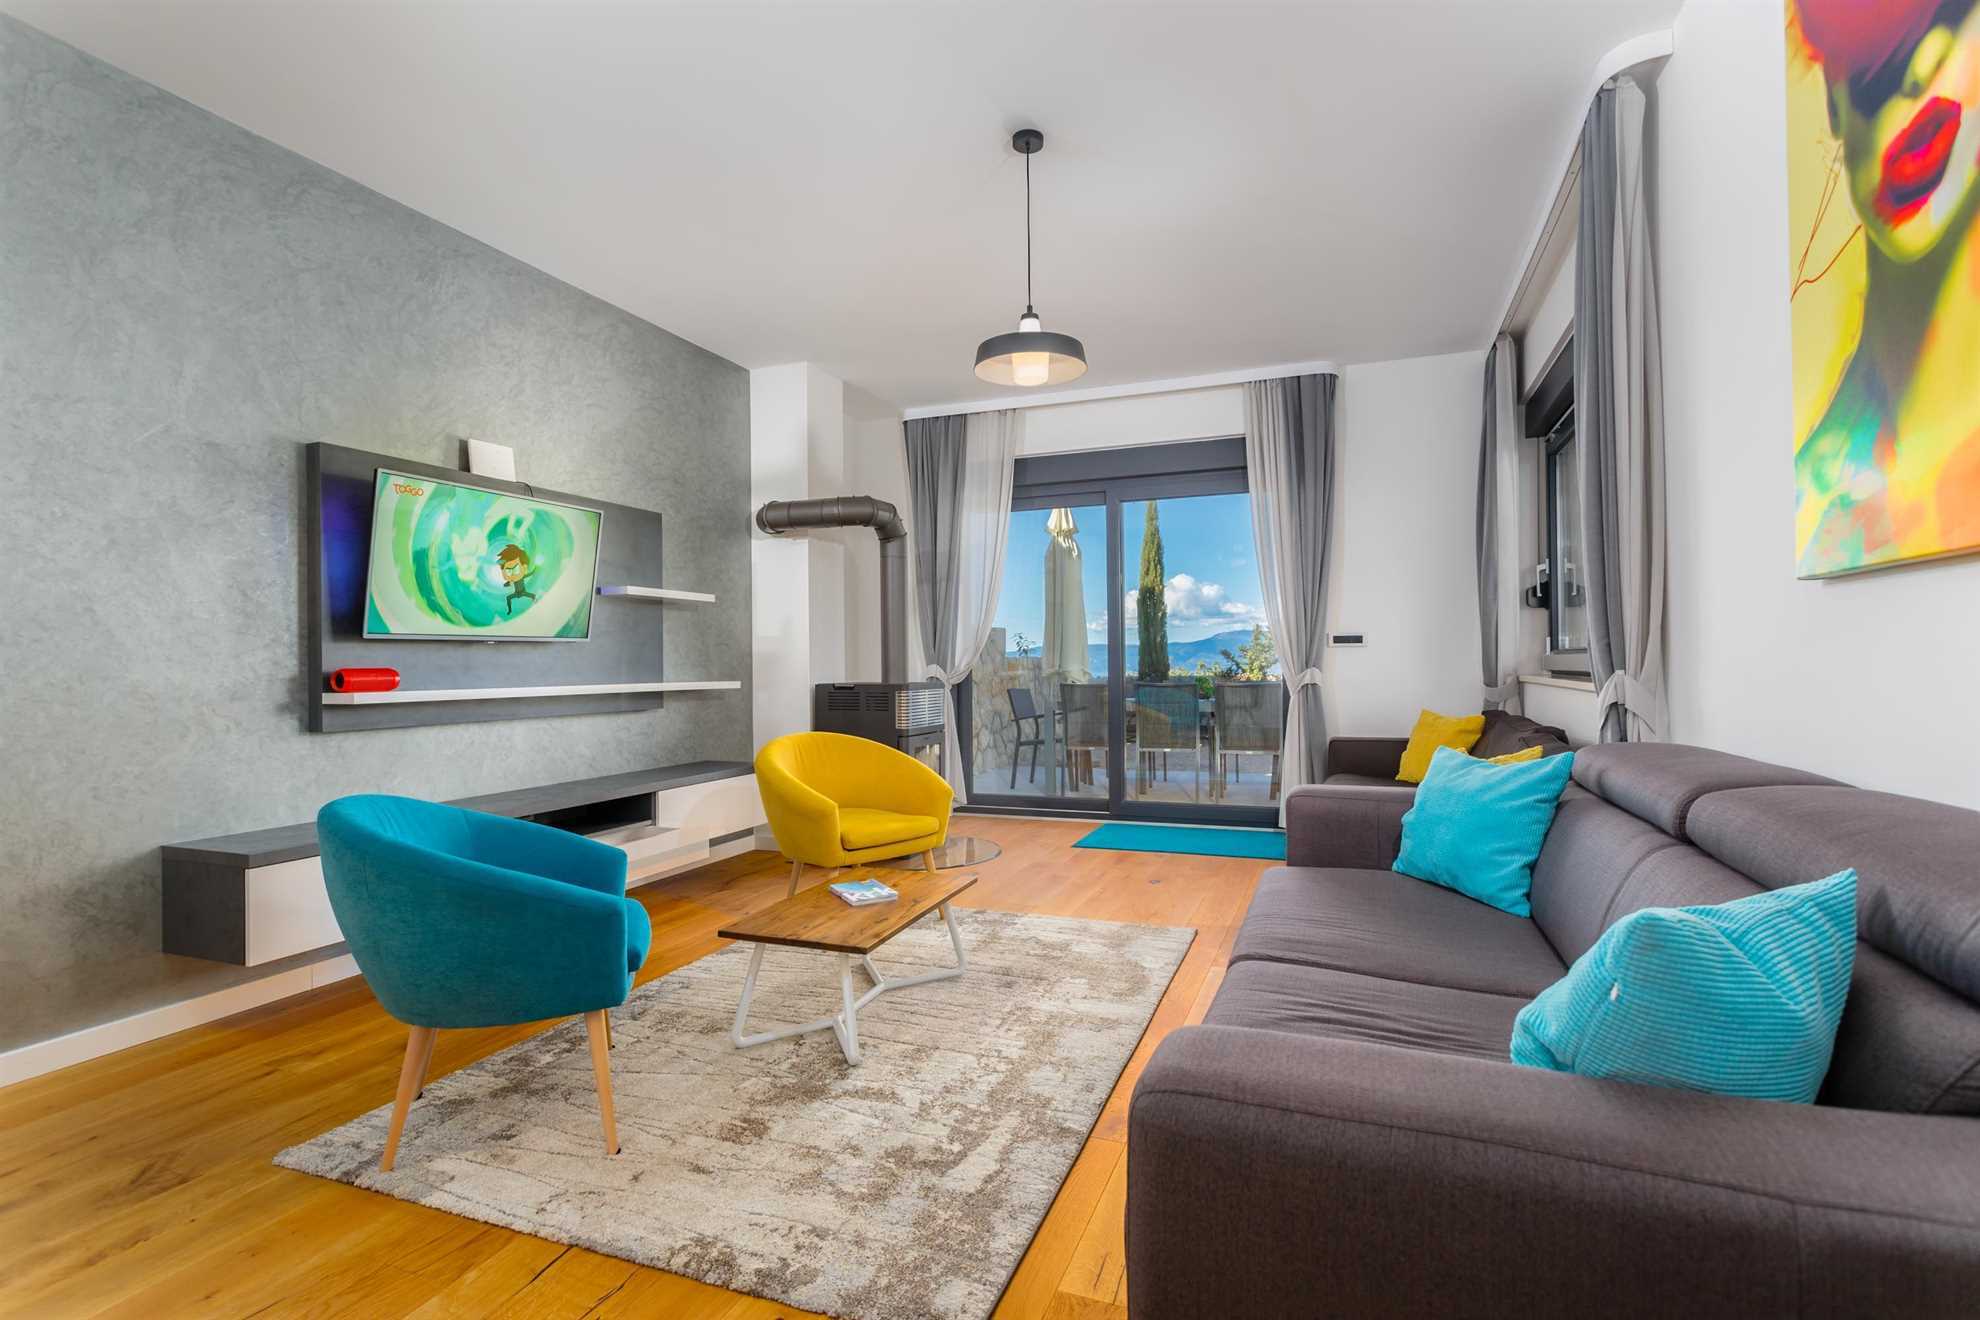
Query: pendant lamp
{"x":1029,"y":356}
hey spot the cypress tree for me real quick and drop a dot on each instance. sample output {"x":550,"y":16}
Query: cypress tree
{"x":1151,"y":607}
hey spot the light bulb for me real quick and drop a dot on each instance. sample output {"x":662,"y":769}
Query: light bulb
{"x":1031,"y":368}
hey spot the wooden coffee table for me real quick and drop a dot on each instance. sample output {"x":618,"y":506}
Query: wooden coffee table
{"x":817,"y":918}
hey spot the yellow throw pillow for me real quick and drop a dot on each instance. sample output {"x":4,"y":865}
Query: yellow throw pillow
{"x":1431,"y":732}
{"x":1514,"y":758}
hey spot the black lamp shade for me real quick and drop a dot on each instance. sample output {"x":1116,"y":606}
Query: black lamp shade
{"x":1030,"y":358}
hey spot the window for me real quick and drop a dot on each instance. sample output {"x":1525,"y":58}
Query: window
{"x":1567,"y":597}
{"x":1560,"y":579}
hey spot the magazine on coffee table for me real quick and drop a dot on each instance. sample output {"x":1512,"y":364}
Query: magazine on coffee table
{"x":863,"y":893}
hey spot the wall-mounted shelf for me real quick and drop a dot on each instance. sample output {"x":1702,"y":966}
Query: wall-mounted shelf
{"x":659,"y":593}
{"x":398,"y":695}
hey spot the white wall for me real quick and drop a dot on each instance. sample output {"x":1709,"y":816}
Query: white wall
{"x":779,"y":568}
{"x":1147,"y":419}
{"x":1404,"y":569}
{"x":1867,"y":678}
{"x":876,"y":465}
{"x":799,"y":632}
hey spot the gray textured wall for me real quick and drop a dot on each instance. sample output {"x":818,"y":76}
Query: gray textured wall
{"x":182,"y":305}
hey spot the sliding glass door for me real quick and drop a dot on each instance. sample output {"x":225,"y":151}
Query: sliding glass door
{"x":1037,"y":699}
{"x":1130,"y":669}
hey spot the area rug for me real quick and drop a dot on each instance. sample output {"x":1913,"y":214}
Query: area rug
{"x":1207,"y":840}
{"x":905,"y":1188}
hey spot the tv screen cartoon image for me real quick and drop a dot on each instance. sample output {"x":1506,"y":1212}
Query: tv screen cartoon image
{"x":450,"y":561}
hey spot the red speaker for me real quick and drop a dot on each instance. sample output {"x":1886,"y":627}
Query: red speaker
{"x":364,"y":680}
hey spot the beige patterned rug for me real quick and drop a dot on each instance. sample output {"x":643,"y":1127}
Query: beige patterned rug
{"x":905,"y":1188}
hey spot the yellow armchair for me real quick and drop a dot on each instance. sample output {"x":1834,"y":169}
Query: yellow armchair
{"x":834,"y":800}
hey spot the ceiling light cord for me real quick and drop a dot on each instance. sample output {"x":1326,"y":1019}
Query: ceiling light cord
{"x":1027,"y":234}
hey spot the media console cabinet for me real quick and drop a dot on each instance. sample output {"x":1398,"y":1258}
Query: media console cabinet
{"x":252,"y":898}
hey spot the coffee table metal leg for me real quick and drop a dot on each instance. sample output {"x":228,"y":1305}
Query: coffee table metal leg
{"x":844,"y":1025}
{"x":736,"y":1036}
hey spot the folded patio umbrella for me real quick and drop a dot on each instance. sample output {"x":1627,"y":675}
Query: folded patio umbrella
{"x":1065,"y":600}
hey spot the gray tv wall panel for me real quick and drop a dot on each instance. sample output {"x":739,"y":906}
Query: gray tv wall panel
{"x":625,"y":645}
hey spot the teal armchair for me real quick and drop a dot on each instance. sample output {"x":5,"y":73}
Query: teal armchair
{"x":462,"y":919}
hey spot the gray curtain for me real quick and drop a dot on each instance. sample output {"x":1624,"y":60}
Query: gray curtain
{"x":1619,"y":420}
{"x":935,"y":480}
{"x":959,"y":496}
{"x":1289,"y":442}
{"x":1498,"y":505}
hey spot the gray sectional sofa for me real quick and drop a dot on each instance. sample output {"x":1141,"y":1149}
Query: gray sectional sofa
{"x":1344,"y":1135}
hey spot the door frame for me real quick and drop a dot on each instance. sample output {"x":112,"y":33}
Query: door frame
{"x":1114,"y":477}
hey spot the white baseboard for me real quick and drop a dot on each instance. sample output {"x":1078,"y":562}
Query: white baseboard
{"x":45,"y":1056}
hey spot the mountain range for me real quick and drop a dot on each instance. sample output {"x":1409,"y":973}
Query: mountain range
{"x":1182,"y":655}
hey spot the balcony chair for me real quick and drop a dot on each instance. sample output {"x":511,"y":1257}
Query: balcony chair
{"x":1084,"y":706}
{"x":1168,"y":718}
{"x":834,"y":800}
{"x":1025,"y":707}
{"x":1251,"y":717}
{"x":457,"y":918}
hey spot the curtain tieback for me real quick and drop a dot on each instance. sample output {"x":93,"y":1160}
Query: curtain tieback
{"x":1629,"y":693}
{"x":937,"y":673}
{"x":1506,"y":691}
{"x":1308,"y":677}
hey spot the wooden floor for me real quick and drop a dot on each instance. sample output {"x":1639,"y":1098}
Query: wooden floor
{"x":140,"y":1184}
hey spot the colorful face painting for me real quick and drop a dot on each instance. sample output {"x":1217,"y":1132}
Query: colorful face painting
{"x":1883,"y":155}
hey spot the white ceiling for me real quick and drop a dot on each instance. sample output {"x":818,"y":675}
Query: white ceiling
{"x":1224,"y":185}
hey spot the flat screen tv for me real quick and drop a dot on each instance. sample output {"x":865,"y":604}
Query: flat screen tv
{"x":451,"y":562}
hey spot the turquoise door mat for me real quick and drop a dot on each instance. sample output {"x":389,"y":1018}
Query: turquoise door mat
{"x":1207,"y":840}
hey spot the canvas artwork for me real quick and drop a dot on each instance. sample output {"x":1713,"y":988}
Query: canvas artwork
{"x":450,"y":561}
{"x":1883,"y":126}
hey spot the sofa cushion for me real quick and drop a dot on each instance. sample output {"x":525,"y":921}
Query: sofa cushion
{"x":1368,"y":781}
{"x":1906,"y":1044}
{"x":1910,"y":1036}
{"x":1457,"y":732}
{"x":1589,"y":852}
{"x":1382,"y":924}
{"x":1739,"y":998}
{"x":1505,"y":734}
{"x":1659,"y":782}
{"x":1918,"y":864}
{"x":1477,"y":827}
{"x":1319,"y":1001}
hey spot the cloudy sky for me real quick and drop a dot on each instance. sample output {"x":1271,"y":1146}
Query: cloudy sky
{"x":1211,"y":568}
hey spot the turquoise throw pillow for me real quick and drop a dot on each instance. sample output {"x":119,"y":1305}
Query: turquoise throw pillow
{"x":1477,"y":827}
{"x":1740,"y":998}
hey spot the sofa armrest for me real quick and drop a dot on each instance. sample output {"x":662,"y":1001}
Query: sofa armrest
{"x":1376,"y":757}
{"x":1345,"y":825}
{"x":1272,"y":1174}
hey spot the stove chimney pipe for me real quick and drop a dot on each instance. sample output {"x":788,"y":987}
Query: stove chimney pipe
{"x":781,"y":516}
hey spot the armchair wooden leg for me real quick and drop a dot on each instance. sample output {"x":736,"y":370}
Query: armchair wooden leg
{"x":426,"y":1059}
{"x":419,"y":1048}
{"x":601,"y":1071}
{"x":797,"y":870}
{"x":928,"y":861}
